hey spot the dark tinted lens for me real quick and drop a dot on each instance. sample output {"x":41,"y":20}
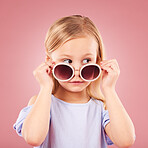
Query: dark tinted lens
{"x":63,"y":72}
{"x":90,"y":72}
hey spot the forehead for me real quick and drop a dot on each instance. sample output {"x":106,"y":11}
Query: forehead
{"x":77,"y":47}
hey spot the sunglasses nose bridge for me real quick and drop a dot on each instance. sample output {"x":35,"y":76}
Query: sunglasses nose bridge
{"x":76,"y":68}
{"x":76,"y":72}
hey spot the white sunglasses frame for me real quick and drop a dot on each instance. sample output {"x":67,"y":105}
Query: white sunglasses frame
{"x":74,"y":71}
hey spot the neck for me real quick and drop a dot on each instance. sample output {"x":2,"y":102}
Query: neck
{"x":72,"y":97}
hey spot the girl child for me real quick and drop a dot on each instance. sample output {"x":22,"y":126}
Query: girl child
{"x":77,"y":105}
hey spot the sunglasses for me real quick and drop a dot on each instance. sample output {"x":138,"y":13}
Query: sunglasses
{"x":65,"y":72}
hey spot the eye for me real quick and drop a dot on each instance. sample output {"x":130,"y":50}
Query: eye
{"x":86,"y":60}
{"x":68,"y":61}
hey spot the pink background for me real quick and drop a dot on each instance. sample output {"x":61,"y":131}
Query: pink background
{"x":23,"y":25}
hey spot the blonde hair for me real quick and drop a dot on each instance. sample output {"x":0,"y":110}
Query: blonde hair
{"x":71,"y":27}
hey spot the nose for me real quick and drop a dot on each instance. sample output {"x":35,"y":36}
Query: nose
{"x":76,"y":65}
{"x":77,"y":71}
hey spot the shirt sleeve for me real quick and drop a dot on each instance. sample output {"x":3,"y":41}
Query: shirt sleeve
{"x":19,"y":122}
{"x":105,"y":121}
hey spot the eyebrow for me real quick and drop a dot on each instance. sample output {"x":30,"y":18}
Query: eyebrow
{"x":66,"y":55}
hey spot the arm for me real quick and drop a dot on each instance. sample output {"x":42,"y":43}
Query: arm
{"x":120,"y":129}
{"x":36,"y":124}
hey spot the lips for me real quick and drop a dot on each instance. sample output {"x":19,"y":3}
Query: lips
{"x":77,"y":82}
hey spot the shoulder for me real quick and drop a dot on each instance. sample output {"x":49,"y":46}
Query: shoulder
{"x":32,"y":100}
{"x":98,"y":102}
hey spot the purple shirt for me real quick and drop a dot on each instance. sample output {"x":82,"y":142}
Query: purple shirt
{"x":73,"y":125}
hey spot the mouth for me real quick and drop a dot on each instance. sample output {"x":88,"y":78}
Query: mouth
{"x":77,"y":82}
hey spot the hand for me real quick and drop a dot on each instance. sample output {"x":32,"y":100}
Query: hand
{"x":43,"y":73}
{"x":111,"y":71}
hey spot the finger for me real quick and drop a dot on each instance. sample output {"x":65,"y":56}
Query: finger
{"x":111,"y":69}
{"x":50,"y":64}
{"x":113,"y":64}
{"x":47,"y":58}
{"x":41,"y":68}
{"x":44,"y":65}
{"x":106,"y":68}
{"x":45,"y":69}
{"x":108,"y":61}
{"x":104,"y":61}
{"x":49,"y":70}
{"x":114,"y":61}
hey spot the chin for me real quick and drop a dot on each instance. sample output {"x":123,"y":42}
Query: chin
{"x":75,"y":90}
